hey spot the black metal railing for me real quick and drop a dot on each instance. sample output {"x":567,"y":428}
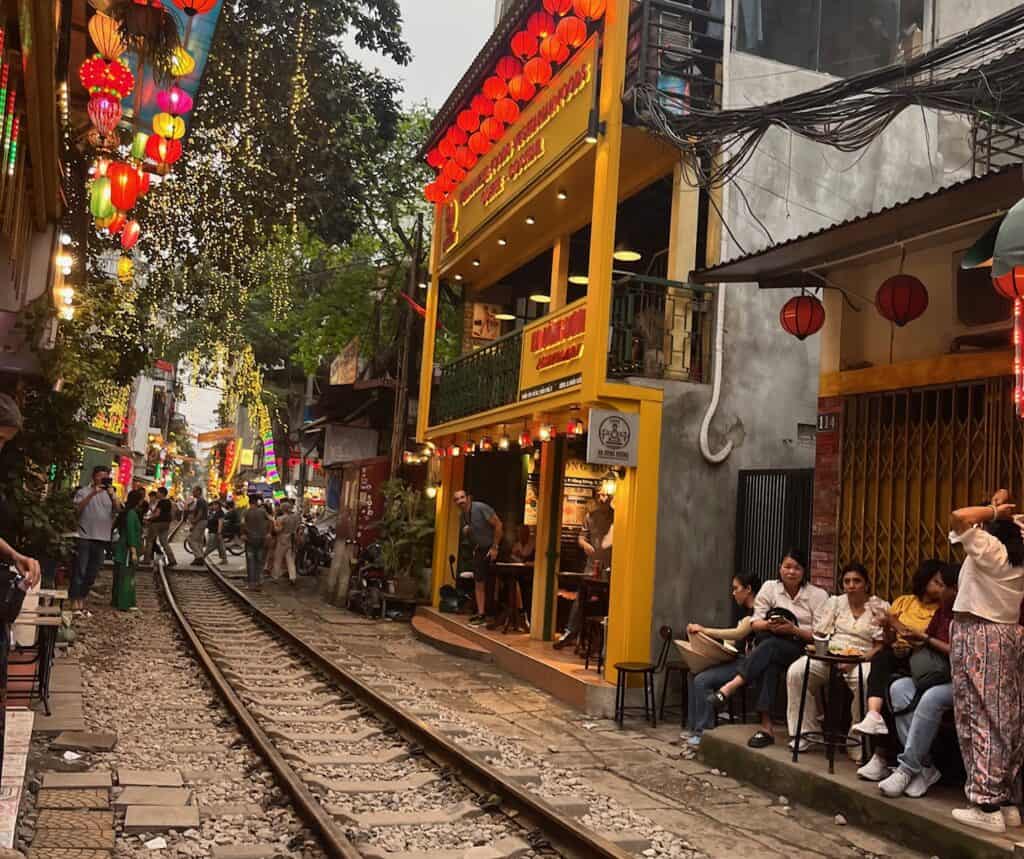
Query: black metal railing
{"x":996,"y":142}
{"x":478,"y":382}
{"x":676,"y":48}
{"x":659,"y":331}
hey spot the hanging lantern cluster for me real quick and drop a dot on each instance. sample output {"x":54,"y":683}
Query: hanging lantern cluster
{"x":107,"y":81}
{"x":548,"y":41}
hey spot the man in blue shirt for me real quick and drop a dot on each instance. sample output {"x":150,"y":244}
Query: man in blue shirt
{"x":484,"y":529}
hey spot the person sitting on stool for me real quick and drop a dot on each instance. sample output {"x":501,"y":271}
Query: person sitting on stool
{"x":592,"y":540}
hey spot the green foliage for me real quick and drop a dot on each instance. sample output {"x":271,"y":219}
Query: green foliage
{"x":406,"y":528}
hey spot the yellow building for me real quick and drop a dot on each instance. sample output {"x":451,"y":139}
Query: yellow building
{"x":564,"y":249}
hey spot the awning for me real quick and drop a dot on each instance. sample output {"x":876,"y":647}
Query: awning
{"x":973,"y":200}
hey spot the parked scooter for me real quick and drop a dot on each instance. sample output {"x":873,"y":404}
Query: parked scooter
{"x":369,"y":582}
{"x":315,"y":547}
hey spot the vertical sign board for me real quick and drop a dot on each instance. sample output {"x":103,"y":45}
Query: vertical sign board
{"x":613,"y":438}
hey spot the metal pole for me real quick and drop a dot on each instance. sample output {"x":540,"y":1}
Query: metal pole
{"x":400,"y":417}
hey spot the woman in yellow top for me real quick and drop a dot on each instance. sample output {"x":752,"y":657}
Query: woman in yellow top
{"x":909,"y":613}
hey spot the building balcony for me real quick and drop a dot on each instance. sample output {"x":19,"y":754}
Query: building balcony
{"x":478,"y":382}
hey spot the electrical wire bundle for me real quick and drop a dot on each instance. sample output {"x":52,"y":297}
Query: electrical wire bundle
{"x":979,"y":72}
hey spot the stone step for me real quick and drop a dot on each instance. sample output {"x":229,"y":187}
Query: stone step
{"x":160,"y":818}
{"x":80,"y":798}
{"x":152,"y":796}
{"x":412,"y":782}
{"x":93,"y":779}
{"x":78,"y":821}
{"x":85,"y":741}
{"x":149,"y":778}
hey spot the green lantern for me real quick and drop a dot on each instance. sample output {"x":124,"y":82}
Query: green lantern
{"x":99,"y":198}
{"x":139,"y":145}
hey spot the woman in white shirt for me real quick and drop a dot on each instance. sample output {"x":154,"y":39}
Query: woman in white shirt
{"x":852,"y":622}
{"x":785,"y":612}
{"x":987,"y":659}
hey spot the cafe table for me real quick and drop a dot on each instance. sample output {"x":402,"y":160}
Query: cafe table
{"x":512,"y":617}
{"x":830,"y":735}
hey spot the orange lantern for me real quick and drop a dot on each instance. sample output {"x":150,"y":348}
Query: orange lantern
{"x":143,"y":180}
{"x":117,"y":223}
{"x":433,"y":193}
{"x":558,"y":7}
{"x":105,"y":36}
{"x":454,"y":172}
{"x":508,"y":67}
{"x":538,"y":72}
{"x":482,"y":105}
{"x":572,"y":32}
{"x":521,"y":89}
{"x":469,"y":121}
{"x":540,"y":25}
{"x":435,"y":159}
{"x":445,"y":184}
{"x":552,"y":50}
{"x":457,"y":136}
{"x":524,"y":45}
{"x":492,"y":128}
{"x":130,"y":235}
{"x":447,"y":150}
{"x":506,"y":111}
{"x":162,"y":150}
{"x":495,"y":88}
{"x":124,"y":185}
{"x":592,"y":10}
{"x":464,"y":158}
{"x":479,"y":143}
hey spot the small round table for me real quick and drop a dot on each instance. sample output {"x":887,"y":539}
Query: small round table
{"x":830,"y":736}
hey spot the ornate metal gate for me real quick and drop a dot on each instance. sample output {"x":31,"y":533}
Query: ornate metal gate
{"x":910,"y":457}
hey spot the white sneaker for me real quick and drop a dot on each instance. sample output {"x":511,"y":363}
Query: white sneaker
{"x":872,"y":724}
{"x":875,"y":769}
{"x":991,"y":821}
{"x":923,"y":781}
{"x":896,"y":784}
{"x":1011,"y":816}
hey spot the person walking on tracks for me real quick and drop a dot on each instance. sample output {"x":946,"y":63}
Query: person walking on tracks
{"x":285,"y":526}
{"x":215,"y":532}
{"x":197,"y":515}
{"x":157,"y":528}
{"x":128,"y":526}
{"x":255,"y":531}
{"x":96,"y":506}
{"x":484,"y":529}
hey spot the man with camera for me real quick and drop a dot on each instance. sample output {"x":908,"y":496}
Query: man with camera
{"x":97,"y":506}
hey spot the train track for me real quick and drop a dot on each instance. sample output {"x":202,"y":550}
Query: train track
{"x":338,"y":746}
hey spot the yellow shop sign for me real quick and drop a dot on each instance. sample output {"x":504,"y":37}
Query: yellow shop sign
{"x":552,"y":358}
{"x":548,"y":128}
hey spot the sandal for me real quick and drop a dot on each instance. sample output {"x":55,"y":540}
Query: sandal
{"x":760,"y":740}
{"x":718,"y":701}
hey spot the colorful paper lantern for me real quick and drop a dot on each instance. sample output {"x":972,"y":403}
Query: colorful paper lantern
{"x":802,"y":316}
{"x":454,"y":172}
{"x":479,"y":144}
{"x":104,"y":112}
{"x":174,"y":101}
{"x":506,"y":111}
{"x":553,"y":50}
{"x":465,"y":158}
{"x":495,"y":88}
{"x":139,"y":145}
{"x":571,"y":32}
{"x":162,"y":150}
{"x":538,"y":72}
{"x":143,"y":180}
{"x":524,"y":45}
{"x":457,"y":136}
{"x":468,"y":121}
{"x":507,"y":68}
{"x":482,"y":105}
{"x":125,"y":269}
{"x":130,"y":235}
{"x":558,"y":7}
{"x":102,"y":76}
{"x":540,"y":25}
{"x":182,"y":63}
{"x":492,"y":128}
{"x":521,"y":89}
{"x":116,"y":223}
{"x":124,"y":185}
{"x":446,"y":149}
{"x":105,"y":36}
{"x":592,"y":10}
{"x":435,"y":159}
{"x":901,"y":299}
{"x":433,"y":193}
{"x":100,"y":205}
{"x":195,"y":7}
{"x":171,"y":127}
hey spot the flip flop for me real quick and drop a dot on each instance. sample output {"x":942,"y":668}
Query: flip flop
{"x":761,"y":740}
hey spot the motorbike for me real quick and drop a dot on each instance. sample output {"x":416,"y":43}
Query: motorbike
{"x":314,"y":547}
{"x":369,"y":582}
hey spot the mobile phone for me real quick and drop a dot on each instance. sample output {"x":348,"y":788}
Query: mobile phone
{"x":107,"y":482}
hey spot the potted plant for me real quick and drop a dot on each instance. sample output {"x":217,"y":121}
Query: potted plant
{"x":406,"y":535}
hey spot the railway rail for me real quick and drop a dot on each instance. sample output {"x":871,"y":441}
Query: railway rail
{"x":336,"y":745}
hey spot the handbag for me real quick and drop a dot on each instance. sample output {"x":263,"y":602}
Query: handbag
{"x":11,"y":594}
{"x":929,"y":668}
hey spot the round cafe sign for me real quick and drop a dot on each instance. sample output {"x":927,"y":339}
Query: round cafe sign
{"x":614,"y":433}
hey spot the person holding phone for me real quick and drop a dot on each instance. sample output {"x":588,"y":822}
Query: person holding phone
{"x":97,"y":506}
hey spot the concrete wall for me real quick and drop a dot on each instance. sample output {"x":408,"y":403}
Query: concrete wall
{"x":770,"y":380}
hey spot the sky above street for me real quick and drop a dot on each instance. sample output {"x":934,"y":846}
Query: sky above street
{"x":445,"y":37}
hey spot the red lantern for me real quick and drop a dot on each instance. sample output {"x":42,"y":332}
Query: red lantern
{"x":521,"y":89}
{"x":572,"y":32}
{"x":507,"y":68}
{"x":538,"y":72}
{"x":112,"y":77}
{"x":540,"y":25}
{"x":130,"y":235}
{"x":802,"y":316}
{"x":901,"y":299}
{"x":492,"y":128}
{"x":162,"y":150}
{"x":558,"y":7}
{"x":464,"y":158}
{"x":482,"y":105}
{"x":117,"y":224}
{"x":433,"y":193}
{"x":457,"y":136}
{"x":454,"y":172}
{"x":479,"y":143}
{"x":1011,"y":284}
{"x":495,"y":88}
{"x":447,"y":150}
{"x":435,"y":159}
{"x":552,"y":50}
{"x":524,"y":45}
{"x":124,"y":186}
{"x":469,"y":121}
{"x":445,"y":184}
{"x":104,"y":112}
{"x":143,"y":181}
{"x":592,"y":10}
{"x":506,"y":111}
{"x":195,"y":7}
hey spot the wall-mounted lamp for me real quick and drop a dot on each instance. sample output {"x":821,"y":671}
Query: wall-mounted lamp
{"x":610,"y":482}
{"x":432,"y":490}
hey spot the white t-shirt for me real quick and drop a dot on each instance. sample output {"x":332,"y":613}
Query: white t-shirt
{"x":96,"y":521}
{"x":989,"y":587}
{"x":807,"y":605}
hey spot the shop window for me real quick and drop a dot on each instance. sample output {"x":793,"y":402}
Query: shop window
{"x":838,"y":37}
{"x":158,"y":411}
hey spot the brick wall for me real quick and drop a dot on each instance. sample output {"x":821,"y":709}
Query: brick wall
{"x":827,"y":480}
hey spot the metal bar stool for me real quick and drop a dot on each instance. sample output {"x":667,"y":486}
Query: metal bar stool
{"x":646,"y":670}
{"x":670,"y":667}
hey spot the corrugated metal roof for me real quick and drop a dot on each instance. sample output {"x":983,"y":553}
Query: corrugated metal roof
{"x":942,"y":208}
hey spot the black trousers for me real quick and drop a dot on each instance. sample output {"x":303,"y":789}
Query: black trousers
{"x":884,"y":666}
{"x":768,"y":662}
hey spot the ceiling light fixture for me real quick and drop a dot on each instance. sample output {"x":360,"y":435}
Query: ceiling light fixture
{"x":624,"y":253}
{"x":579,"y":279}
{"x":562,"y":195}
{"x":502,"y":242}
{"x":476,"y":263}
{"x":504,"y":317}
{"x":540,"y":298}
{"x":458,"y":277}
{"x":530,"y":220}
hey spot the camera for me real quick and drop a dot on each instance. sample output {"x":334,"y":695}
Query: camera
{"x":107,"y":482}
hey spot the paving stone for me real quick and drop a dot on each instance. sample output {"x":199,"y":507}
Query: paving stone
{"x":82,"y":799}
{"x":66,"y":853}
{"x":413,"y":782}
{"x":153,"y":796}
{"x":85,"y":741}
{"x":149,"y":778}
{"x":237,"y":809}
{"x":244,"y":851}
{"x":93,"y":779}
{"x":84,"y":821}
{"x":160,"y":818}
{"x":69,"y":838}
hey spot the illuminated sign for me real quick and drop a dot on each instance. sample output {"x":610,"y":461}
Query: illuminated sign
{"x":552,"y":354}
{"x":549,"y":127}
